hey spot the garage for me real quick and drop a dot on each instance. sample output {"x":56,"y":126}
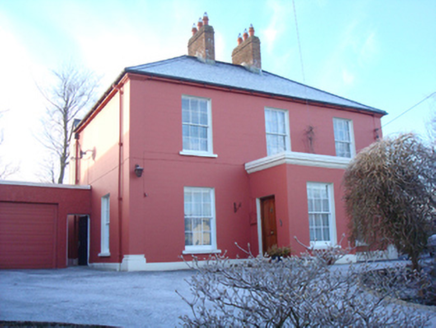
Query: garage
{"x":27,"y":235}
{"x":33,"y":223}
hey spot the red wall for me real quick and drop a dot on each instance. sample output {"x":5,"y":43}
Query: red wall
{"x":152,"y":206}
{"x":68,"y":200}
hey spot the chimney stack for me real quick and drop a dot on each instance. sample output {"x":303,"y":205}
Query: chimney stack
{"x":247,"y":52}
{"x":202,"y":44}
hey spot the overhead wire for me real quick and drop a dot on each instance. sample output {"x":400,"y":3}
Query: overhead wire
{"x":409,"y":109}
{"x":310,"y":128}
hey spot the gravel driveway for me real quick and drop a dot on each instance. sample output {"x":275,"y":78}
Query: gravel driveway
{"x":85,"y":296}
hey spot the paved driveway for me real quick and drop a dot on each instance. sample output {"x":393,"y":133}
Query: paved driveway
{"x":85,"y":296}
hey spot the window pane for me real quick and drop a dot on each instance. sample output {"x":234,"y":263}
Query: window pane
{"x":206,"y":224}
{"x":206,"y":238}
{"x":188,"y":238}
{"x":318,"y":235}
{"x":319,"y":208}
{"x":202,"y":133}
{"x":202,"y":145}
{"x":342,"y":137}
{"x":325,"y":220}
{"x":198,"y":222}
{"x":185,"y":116}
{"x":326,"y":235}
{"x":188,"y":224}
{"x":317,"y":204}
{"x":275,"y":128}
{"x":196,"y":238}
{"x":203,"y":118}
{"x":195,"y":120}
{"x":310,"y":204}
{"x":281,"y":122}
{"x":325,"y":205}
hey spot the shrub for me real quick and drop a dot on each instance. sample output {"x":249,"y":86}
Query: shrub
{"x":390,"y":194}
{"x":295,"y":292}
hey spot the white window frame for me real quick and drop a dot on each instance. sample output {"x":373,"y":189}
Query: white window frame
{"x":351,"y":137}
{"x":203,"y":153}
{"x":105,"y":226}
{"x":212,"y":248}
{"x":317,"y":244}
{"x":287,"y":134}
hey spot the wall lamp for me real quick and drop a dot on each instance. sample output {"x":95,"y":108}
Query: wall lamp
{"x":138,"y":170}
{"x":83,"y":153}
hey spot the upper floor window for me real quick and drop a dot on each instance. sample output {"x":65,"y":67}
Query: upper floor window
{"x":199,"y":219}
{"x":321,"y":214}
{"x":197,"y":126}
{"x":344,"y":141}
{"x":277,"y":131}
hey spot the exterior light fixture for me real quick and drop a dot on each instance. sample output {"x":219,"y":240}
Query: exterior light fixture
{"x":138,"y":170}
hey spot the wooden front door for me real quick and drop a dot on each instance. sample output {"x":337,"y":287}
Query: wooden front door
{"x":269,"y":227}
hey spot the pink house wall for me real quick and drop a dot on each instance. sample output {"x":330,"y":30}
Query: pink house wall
{"x":152,"y":205}
{"x":289,"y":185}
{"x":68,"y":200}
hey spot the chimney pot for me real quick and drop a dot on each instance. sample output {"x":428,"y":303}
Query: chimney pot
{"x":247,"y":52}
{"x":245,"y":35}
{"x":205,"y":19}
{"x":202,"y":44}
{"x":251,"y":30}
{"x":239,"y":39}
{"x":194,"y":29}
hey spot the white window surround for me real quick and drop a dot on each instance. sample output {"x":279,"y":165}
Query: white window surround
{"x":198,"y":154}
{"x":197,"y":123}
{"x":275,"y":133}
{"x":215,"y":251}
{"x":105,"y":226}
{"x":344,"y":140}
{"x":203,"y":212}
{"x":320,"y":244}
{"x":296,"y":158}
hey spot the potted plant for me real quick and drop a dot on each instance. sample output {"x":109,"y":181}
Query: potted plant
{"x":278,"y":253}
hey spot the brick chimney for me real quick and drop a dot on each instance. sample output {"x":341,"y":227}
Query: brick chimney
{"x":247,"y":52}
{"x":202,"y":44}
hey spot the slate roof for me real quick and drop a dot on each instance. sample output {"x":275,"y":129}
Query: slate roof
{"x":188,"y":68}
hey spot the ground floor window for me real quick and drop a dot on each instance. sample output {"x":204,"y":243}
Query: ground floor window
{"x":105,"y":223}
{"x":321,"y":214}
{"x":199,"y":219}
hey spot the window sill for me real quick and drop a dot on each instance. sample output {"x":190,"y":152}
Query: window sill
{"x":104,"y":254}
{"x":214,"y":251}
{"x":199,"y":154}
{"x":322,"y":245}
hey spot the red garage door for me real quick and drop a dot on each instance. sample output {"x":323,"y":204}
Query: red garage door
{"x":27,"y":235}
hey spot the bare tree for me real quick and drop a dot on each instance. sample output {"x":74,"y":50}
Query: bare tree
{"x":295,"y":292}
{"x":6,"y":168}
{"x":431,"y":129}
{"x":390,"y":194}
{"x":72,"y":92}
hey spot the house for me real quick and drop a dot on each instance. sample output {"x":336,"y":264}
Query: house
{"x":189,"y":155}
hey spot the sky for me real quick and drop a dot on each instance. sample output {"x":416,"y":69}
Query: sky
{"x":379,"y":53}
